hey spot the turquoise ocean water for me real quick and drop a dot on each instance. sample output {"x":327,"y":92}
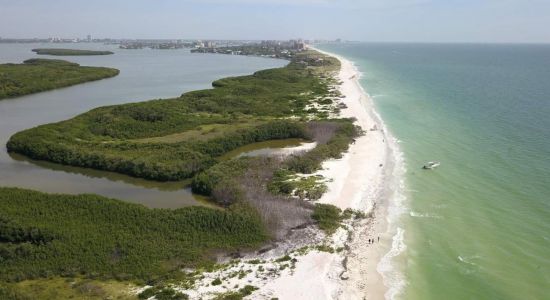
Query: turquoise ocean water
{"x":478,"y":227}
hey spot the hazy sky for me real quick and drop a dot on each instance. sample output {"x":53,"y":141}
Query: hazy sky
{"x":365,"y":20}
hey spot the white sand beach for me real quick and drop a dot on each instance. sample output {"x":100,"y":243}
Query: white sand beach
{"x":358,"y":182}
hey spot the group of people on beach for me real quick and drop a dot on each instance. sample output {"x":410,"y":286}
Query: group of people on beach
{"x":371,"y":241}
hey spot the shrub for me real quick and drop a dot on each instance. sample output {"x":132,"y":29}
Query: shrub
{"x":284,"y":258}
{"x":162,"y":293}
{"x":327,"y":216}
{"x":238,"y":295}
{"x":247,"y":290}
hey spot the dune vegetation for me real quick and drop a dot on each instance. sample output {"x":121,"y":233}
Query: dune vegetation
{"x":38,"y":75}
{"x":268,"y":185}
{"x":69,"y":52}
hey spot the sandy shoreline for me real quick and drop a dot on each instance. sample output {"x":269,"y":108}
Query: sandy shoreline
{"x":358,"y":182}
{"x":363,"y":179}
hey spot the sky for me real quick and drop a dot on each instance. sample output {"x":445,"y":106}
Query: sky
{"x":502,"y":21}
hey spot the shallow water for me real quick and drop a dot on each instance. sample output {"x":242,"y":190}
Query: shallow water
{"x":144,"y":74}
{"x":476,"y":227}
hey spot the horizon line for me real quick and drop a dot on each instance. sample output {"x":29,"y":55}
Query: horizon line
{"x":334,"y":40}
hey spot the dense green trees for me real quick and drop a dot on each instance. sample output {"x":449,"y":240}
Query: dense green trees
{"x":37,"y":75}
{"x":158,"y":161}
{"x":205,"y":182}
{"x":91,"y":235}
{"x":68,"y":52}
{"x":11,"y":232}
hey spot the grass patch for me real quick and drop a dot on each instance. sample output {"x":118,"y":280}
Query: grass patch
{"x":202,"y":133}
{"x":303,"y":187}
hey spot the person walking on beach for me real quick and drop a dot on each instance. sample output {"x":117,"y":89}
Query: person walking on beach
{"x":379,"y":238}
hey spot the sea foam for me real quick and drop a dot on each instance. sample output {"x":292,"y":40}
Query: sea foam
{"x":393,"y":279}
{"x":392,"y":276}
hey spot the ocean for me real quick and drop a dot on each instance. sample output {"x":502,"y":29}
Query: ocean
{"x":478,"y":226}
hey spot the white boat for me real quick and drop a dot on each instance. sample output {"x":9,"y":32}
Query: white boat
{"x":431,"y":165}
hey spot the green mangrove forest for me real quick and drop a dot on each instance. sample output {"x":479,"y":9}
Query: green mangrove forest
{"x":51,"y":234}
{"x":38,"y":75}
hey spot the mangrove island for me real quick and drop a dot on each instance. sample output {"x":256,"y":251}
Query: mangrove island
{"x":38,"y":75}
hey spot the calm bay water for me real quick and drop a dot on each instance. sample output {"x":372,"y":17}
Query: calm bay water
{"x":478,"y":227}
{"x":144,"y":74}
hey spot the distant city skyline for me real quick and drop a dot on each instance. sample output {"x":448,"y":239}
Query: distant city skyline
{"x":500,"y":21}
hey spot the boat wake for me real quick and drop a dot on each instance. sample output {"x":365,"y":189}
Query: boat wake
{"x":425,"y":215}
{"x":468,"y":265}
{"x":469,"y":260}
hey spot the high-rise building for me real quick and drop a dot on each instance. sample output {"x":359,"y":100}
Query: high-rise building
{"x":89,"y":38}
